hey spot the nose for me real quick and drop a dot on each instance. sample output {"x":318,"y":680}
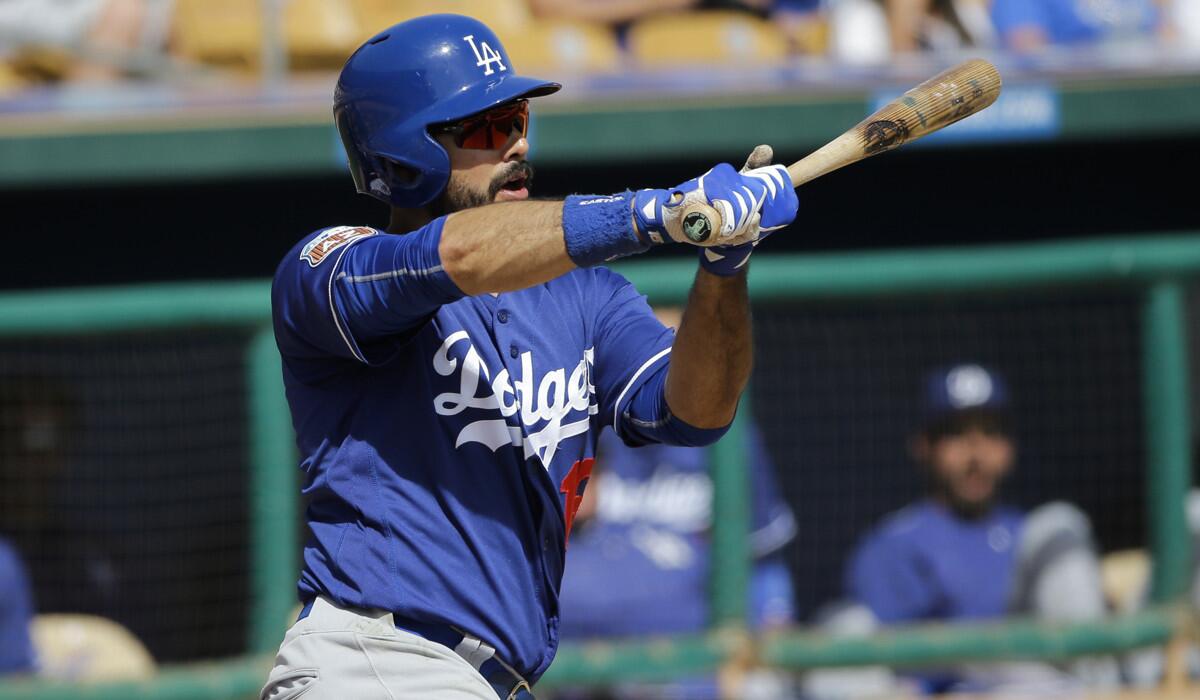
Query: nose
{"x":518,"y":150}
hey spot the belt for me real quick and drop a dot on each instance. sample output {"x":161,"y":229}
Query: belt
{"x":508,"y":684}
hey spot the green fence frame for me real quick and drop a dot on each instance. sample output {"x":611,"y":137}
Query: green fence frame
{"x":1158,"y":265}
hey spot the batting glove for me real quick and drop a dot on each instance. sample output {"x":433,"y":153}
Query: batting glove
{"x":778,"y":210}
{"x":738,"y":196}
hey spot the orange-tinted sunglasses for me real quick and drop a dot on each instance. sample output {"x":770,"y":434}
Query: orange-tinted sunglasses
{"x":491,"y":129}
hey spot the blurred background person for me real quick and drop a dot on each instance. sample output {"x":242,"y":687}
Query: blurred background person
{"x":16,"y":614}
{"x":1026,"y":26}
{"x":82,"y":40}
{"x":638,"y":561}
{"x":962,"y":554}
{"x":69,"y":568}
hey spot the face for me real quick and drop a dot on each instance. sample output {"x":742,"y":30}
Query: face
{"x":481,"y":176}
{"x":967,"y":464}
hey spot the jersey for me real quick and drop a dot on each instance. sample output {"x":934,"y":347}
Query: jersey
{"x":16,"y":613}
{"x":1075,"y":21}
{"x":924,"y":563}
{"x":446,"y":440}
{"x":642,"y":564}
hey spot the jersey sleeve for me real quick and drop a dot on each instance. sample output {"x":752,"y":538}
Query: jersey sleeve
{"x":887,"y":576}
{"x":771,"y":520}
{"x":1009,"y":16}
{"x":355,"y":292}
{"x":16,"y":613}
{"x":631,"y":345}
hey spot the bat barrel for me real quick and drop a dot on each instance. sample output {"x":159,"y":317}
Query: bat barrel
{"x":947,"y":97}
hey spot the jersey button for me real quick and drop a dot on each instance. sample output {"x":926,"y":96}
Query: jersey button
{"x":512,"y":351}
{"x":502,"y":317}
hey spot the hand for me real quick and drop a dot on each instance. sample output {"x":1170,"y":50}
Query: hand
{"x":777,"y":212}
{"x":738,"y":197}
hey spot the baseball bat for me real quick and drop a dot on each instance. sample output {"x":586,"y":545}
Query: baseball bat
{"x":947,"y":97}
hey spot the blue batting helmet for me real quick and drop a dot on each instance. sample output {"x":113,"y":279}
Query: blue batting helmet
{"x":426,"y":71}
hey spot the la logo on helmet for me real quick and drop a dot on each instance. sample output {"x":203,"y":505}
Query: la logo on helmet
{"x":485,"y":55}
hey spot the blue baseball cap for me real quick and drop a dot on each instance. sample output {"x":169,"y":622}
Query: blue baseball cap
{"x":962,"y":388}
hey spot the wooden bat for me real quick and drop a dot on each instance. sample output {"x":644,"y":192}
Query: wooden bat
{"x":949,"y":96}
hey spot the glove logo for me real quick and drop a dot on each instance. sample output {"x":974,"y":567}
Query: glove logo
{"x":697,"y":227}
{"x":485,"y":55}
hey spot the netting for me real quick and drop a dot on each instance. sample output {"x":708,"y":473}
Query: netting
{"x":123,"y":481}
{"x":837,"y":388}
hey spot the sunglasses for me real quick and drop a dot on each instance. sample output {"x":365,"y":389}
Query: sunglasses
{"x":491,"y":129}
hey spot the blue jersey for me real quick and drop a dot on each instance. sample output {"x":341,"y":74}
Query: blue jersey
{"x":642,"y":564}
{"x":924,"y":563}
{"x":446,"y":440}
{"x":1075,"y":21}
{"x":16,"y":612}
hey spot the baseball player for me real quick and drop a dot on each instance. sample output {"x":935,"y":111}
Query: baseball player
{"x":448,"y":377}
{"x":639,"y":561}
{"x":962,"y":553}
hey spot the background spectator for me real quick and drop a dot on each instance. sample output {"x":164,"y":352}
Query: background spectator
{"x":962,"y":554}
{"x":1031,"y":25}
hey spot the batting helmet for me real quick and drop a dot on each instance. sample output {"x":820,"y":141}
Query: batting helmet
{"x":429,"y":70}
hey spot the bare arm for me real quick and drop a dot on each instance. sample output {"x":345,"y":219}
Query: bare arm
{"x":713,"y":352}
{"x":904,"y":21}
{"x":503,"y":247}
{"x":606,"y":11}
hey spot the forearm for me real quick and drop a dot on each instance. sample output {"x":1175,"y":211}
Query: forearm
{"x":713,"y":352}
{"x":904,"y":22}
{"x":503,"y":247}
{"x":607,"y":11}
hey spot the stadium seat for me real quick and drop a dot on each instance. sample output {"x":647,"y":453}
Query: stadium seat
{"x":561,"y":45}
{"x":1125,"y":578}
{"x":220,"y":32}
{"x":673,"y":40}
{"x":88,"y":648}
{"x":505,"y":17}
{"x":10,"y":80}
{"x":319,"y":33}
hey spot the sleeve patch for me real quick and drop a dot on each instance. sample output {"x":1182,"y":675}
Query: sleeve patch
{"x":324,"y":243}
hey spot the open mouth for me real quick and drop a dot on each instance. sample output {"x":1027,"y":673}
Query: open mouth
{"x":515,"y":187}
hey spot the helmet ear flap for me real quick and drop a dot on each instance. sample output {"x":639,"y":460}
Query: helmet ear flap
{"x":413,"y":178}
{"x":408,"y":180}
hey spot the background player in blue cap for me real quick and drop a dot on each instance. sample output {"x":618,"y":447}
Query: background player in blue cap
{"x":448,"y":385}
{"x":962,"y":554}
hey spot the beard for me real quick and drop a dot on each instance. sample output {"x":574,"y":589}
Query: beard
{"x":459,"y":195}
{"x":966,"y":508}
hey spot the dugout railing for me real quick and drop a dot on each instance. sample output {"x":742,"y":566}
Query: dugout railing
{"x":1157,"y":267}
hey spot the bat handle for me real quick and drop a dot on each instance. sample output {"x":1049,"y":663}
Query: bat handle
{"x":698,"y":223}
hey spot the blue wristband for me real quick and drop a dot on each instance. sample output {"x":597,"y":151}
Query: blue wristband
{"x":600,"y":228}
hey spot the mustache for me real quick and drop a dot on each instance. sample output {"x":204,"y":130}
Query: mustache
{"x":521,"y":167}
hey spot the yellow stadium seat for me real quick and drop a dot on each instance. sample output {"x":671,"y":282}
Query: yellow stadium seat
{"x":10,"y":80}
{"x":87,"y":648}
{"x":673,"y":40}
{"x":221,"y":32}
{"x":319,"y":33}
{"x":1125,"y":578}
{"x":565,"y":46}
{"x":505,"y":17}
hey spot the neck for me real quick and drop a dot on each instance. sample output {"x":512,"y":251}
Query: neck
{"x":405,"y":220}
{"x":965,"y":511}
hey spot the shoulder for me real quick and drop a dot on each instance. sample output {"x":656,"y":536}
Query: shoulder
{"x":318,"y":247}
{"x":900,"y":528}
